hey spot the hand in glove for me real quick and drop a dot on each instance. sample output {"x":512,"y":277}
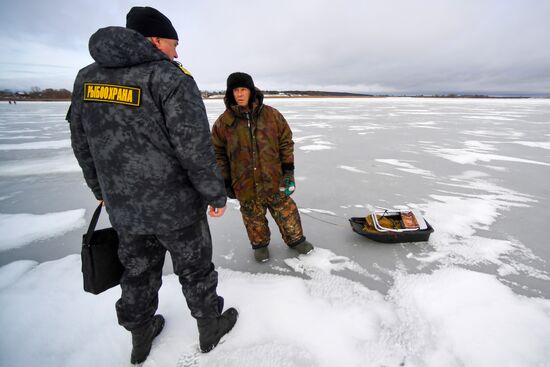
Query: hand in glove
{"x":287,"y":185}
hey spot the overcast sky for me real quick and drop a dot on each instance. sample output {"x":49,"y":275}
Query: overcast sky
{"x":393,"y":46}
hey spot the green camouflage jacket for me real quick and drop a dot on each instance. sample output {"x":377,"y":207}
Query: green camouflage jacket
{"x":253,"y":149}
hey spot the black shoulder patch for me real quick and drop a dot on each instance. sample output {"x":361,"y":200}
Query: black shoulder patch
{"x":184,"y":70}
{"x":111,"y":93}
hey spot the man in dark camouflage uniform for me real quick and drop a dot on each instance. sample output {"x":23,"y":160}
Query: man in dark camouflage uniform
{"x":140,"y":133}
{"x":255,"y":152}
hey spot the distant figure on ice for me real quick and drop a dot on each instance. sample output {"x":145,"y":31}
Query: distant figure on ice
{"x":255,"y":151}
{"x":141,"y":135}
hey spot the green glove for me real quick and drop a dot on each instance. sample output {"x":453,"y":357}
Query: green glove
{"x":288,"y":185}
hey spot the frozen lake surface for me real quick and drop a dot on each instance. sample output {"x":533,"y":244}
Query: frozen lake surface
{"x":477,"y":169}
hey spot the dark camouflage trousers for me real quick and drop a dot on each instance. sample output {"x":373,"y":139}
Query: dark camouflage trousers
{"x":283,"y":210}
{"x":143,"y":258}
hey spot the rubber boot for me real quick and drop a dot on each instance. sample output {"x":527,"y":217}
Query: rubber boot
{"x":261,"y":254}
{"x":142,"y":338}
{"x":303,"y":247}
{"x":212,"y":330}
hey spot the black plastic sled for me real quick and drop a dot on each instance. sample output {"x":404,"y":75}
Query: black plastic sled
{"x":393,"y":226}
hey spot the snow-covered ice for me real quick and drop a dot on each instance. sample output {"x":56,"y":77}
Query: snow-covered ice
{"x":476,"y":294}
{"x":451,"y":317}
{"x":20,"y":229}
{"x":54,"y":144}
{"x":405,"y":167}
{"x":40,"y":166}
{"x":352,"y":169}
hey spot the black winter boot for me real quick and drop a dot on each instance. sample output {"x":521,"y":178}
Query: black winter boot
{"x":212,"y":330}
{"x":142,"y":338}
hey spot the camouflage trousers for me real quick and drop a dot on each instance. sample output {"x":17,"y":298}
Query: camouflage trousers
{"x":283,"y":210}
{"x":143,"y":259}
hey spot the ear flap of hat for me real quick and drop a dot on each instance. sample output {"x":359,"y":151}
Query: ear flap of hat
{"x":252,"y":97}
{"x":229,"y":98}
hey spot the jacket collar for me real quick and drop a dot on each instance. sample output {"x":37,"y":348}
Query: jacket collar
{"x":122,"y":47}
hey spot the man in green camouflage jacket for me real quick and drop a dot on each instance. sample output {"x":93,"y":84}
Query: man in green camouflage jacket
{"x":255,"y":152}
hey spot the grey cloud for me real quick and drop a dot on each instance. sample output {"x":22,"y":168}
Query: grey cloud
{"x":430,"y":45}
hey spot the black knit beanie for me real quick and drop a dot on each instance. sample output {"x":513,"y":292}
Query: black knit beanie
{"x":150,"y":23}
{"x":237,"y":80}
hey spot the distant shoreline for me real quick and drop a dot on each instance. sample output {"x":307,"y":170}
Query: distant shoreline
{"x":49,"y":94}
{"x":366,"y":96}
{"x":7,"y":100}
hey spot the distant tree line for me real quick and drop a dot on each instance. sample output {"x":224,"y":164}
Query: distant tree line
{"x":36,"y":94}
{"x":454,"y":95}
{"x":49,"y":94}
{"x":315,"y":93}
{"x":292,"y":93}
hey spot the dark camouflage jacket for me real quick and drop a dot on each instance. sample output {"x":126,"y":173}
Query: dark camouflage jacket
{"x":252,"y":149}
{"x":139,"y":131}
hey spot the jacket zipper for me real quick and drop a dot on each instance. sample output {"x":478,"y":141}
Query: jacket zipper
{"x":252,"y":146}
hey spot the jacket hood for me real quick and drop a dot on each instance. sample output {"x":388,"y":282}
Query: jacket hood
{"x":121,"y":47}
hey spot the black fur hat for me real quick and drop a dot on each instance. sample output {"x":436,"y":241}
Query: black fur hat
{"x":237,"y":80}
{"x":150,"y":23}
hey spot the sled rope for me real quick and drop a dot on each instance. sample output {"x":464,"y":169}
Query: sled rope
{"x":325,"y":221}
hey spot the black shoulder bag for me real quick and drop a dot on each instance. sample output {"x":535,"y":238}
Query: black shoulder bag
{"x":101,"y":268}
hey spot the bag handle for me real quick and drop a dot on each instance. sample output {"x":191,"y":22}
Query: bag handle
{"x":93,"y":223}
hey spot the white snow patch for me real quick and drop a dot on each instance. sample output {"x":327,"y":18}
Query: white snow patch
{"x":230,"y":255}
{"x":20,"y":131}
{"x":321,"y":211}
{"x":366,"y":128}
{"x":469,"y":175}
{"x":456,"y":317}
{"x":457,"y":219}
{"x":10,"y":273}
{"x":326,"y":261}
{"x":21,"y":229}
{"x":323,"y":321}
{"x":54,"y":144}
{"x":315,"y":147}
{"x":424,"y":125}
{"x":318,"y":144}
{"x":351,"y":169}
{"x":406,"y":167}
{"x":489,"y":117}
{"x":305,"y":138}
{"x":19,"y":137}
{"x":12,"y":194}
{"x":43,"y":166}
{"x":470,"y":155}
{"x":479,"y":145}
{"x":386,"y":174}
{"x":535,"y":144}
